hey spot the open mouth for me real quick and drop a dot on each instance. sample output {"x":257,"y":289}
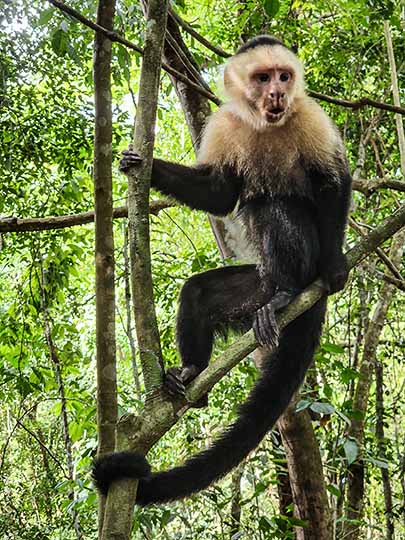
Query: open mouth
{"x":273,"y":115}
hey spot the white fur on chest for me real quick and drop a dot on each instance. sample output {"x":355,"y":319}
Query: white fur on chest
{"x":237,"y":240}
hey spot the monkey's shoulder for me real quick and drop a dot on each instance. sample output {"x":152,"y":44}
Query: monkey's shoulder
{"x":222,"y":136}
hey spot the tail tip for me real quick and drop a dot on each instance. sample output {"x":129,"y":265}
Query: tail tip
{"x":116,"y":466}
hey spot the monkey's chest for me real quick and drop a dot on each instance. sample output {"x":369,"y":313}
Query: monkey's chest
{"x":274,"y":178}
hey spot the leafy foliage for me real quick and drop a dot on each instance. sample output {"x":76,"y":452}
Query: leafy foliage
{"x":46,"y":126}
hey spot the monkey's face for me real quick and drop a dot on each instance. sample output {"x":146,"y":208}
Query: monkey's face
{"x":270,"y":91}
{"x":263,"y":84}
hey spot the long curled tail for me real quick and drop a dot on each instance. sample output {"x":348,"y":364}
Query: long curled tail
{"x":267,"y":401}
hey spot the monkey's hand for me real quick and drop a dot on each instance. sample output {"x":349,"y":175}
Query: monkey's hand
{"x":177,"y":379}
{"x":334,"y":273}
{"x":129,"y":159}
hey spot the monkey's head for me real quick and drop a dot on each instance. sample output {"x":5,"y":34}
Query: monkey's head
{"x":263,"y":79}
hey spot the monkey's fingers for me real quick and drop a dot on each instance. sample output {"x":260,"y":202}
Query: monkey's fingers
{"x":130,"y":159}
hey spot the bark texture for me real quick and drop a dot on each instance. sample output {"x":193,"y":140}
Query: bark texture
{"x":138,"y":199}
{"x":356,"y":479}
{"x":121,"y":498}
{"x":107,"y":408}
{"x":306,"y":475}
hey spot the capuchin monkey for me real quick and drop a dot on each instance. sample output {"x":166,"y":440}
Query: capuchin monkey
{"x":271,"y":159}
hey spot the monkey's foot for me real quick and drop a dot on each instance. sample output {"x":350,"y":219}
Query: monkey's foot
{"x":265,"y":325}
{"x":177,"y":379}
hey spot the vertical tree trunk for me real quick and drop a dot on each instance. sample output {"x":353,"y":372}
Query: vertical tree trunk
{"x":122,"y":495}
{"x":107,"y":409}
{"x":379,"y":430}
{"x":196,"y":110}
{"x":355,"y":485}
{"x":306,"y":475}
{"x":355,"y":489}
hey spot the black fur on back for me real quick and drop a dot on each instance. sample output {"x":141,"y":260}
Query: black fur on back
{"x":259,"y":41}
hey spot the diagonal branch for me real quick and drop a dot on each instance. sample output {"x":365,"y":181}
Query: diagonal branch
{"x":247,"y":343}
{"x":113,"y":36}
{"x":201,"y":39}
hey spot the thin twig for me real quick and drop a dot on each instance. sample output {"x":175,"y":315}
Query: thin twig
{"x":201,"y":39}
{"x":113,"y":36}
{"x":358,"y":104}
{"x":379,"y":252}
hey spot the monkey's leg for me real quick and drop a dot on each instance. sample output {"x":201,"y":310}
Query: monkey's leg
{"x":290,"y":260}
{"x":209,"y":302}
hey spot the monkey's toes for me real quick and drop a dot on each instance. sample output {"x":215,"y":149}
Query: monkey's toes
{"x":265,"y":327}
{"x":173,"y":383}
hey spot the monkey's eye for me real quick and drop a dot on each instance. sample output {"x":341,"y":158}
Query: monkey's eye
{"x":284,"y":77}
{"x":263,"y":77}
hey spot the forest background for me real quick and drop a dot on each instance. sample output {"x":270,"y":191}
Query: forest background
{"x":334,"y":467}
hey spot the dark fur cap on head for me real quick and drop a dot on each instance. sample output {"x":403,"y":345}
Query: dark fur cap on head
{"x":258,"y":41}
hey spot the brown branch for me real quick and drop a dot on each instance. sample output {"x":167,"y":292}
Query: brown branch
{"x":113,"y":36}
{"x":367,"y":187}
{"x":399,"y":283}
{"x":190,"y":30}
{"x":359,"y":104}
{"x":379,"y":252}
{"x":44,"y":447}
{"x":106,"y":360}
{"x":15,"y":224}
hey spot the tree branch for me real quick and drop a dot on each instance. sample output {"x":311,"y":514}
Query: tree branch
{"x":358,"y":104}
{"x":15,"y":224}
{"x":113,"y":36}
{"x":153,"y":425}
{"x":107,"y":404}
{"x":201,"y":39}
{"x":379,"y":252}
{"x":138,"y":198}
{"x":367,"y":187}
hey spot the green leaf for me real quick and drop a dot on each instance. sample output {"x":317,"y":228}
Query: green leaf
{"x":332,"y":488}
{"x":271,"y":7}
{"x":59,"y":42}
{"x":166,"y":518}
{"x":265,"y":524}
{"x":45,"y":16}
{"x":322,"y":408}
{"x":302,"y":405}
{"x":351,"y":450}
{"x":332,"y":348}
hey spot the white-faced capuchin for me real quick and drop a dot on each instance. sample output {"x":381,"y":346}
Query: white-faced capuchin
{"x":274,"y":160}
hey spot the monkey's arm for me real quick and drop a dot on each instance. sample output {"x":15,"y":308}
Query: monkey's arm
{"x":200,"y":187}
{"x":333,"y":195}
